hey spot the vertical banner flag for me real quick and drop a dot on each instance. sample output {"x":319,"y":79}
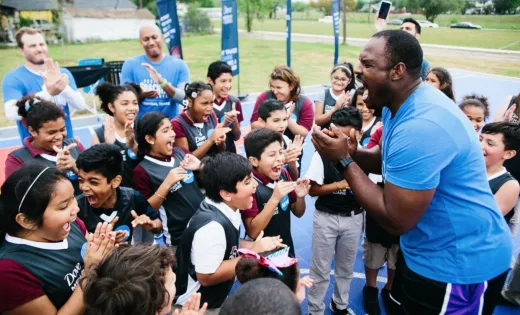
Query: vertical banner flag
{"x":335,"y":25}
{"x":167,"y":10}
{"x":229,"y":47}
{"x":288,"y":18}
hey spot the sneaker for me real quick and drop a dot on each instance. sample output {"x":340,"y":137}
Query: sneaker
{"x":391,"y":307}
{"x":371,"y":300}
{"x":336,"y":311}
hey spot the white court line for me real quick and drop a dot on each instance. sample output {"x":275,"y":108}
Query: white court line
{"x":482,"y":74}
{"x":357,"y":275}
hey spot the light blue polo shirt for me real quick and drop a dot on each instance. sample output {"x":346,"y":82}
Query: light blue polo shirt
{"x":462,"y":237}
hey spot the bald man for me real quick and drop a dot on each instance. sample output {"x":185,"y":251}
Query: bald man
{"x":161,"y":76}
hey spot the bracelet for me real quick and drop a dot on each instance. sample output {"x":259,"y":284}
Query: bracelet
{"x":164,"y":198}
{"x":163,"y":83}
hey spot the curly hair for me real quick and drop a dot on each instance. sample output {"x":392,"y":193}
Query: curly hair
{"x":476,"y":100}
{"x":130,"y":280}
{"x":37,"y":111}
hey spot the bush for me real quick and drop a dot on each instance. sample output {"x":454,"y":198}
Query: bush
{"x":300,"y":7}
{"x":196,"y":21}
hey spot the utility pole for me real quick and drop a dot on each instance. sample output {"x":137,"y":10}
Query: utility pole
{"x":344,"y":22}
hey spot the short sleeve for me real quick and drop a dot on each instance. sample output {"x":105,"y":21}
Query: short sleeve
{"x":208,"y":248}
{"x":238,"y":107}
{"x":141,"y":182}
{"x":418,"y":151}
{"x":315,"y":171}
{"x":178,"y":129}
{"x":375,"y":139}
{"x":11,"y":88}
{"x":259,"y":100}
{"x":17,"y":285}
{"x":127,"y":72}
{"x":250,"y":213}
{"x":306,"y":118}
{"x":143,"y":207}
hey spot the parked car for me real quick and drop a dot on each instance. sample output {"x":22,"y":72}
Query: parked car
{"x":326,"y":19}
{"x":426,"y":23}
{"x":467,"y":25}
{"x":395,"y":22}
{"x":43,"y":25}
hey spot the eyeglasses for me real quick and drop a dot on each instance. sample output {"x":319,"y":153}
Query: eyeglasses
{"x":339,"y":79}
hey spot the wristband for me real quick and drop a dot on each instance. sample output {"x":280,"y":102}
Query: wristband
{"x":342,"y":165}
{"x":163,"y":83}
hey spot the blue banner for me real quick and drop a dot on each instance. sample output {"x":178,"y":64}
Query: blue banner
{"x":169,"y":22}
{"x":229,"y":47}
{"x":288,"y":18}
{"x":335,"y":25}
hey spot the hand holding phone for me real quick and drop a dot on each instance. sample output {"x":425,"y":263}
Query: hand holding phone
{"x":384,"y":10}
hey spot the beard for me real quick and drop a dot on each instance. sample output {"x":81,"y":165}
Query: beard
{"x":36,"y":61}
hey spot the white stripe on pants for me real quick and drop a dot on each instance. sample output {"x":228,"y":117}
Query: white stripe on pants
{"x":338,"y":237}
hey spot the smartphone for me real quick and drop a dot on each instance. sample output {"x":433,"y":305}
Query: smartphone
{"x":384,"y":9}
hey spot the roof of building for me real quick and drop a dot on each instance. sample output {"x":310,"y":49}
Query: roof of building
{"x":141,"y":14}
{"x":44,"y":5}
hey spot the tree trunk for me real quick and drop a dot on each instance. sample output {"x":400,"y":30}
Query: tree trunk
{"x":140,"y":4}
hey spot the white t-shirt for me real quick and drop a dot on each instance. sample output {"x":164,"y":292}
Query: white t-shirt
{"x":208,"y":247}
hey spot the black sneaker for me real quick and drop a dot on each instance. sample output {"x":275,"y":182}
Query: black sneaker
{"x":336,"y":311}
{"x":391,"y":307}
{"x":371,"y":300}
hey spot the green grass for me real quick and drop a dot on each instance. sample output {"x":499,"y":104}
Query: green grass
{"x":312,"y":62}
{"x":494,"y":39}
{"x":486,"y":21}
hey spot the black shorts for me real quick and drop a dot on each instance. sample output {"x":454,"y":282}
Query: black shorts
{"x":415,"y":294}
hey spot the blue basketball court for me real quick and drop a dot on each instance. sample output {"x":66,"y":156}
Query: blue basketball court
{"x":496,"y":88}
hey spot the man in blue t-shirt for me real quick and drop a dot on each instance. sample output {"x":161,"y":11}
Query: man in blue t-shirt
{"x":455,"y":243}
{"x":162,"y":77}
{"x":39,"y":75}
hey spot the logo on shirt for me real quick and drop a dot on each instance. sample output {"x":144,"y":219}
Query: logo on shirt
{"x":124,"y":228}
{"x":176,"y":187}
{"x":189,"y":177}
{"x":71,"y":175}
{"x":83,"y":250}
{"x":233,"y":253}
{"x":327,"y":108}
{"x":199,"y":140}
{"x":73,"y":277}
{"x":284,"y":204}
{"x":131,"y":154}
{"x":149,"y":84}
{"x":342,"y":192}
{"x":210,"y":132}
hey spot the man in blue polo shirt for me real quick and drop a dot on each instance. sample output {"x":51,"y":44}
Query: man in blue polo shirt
{"x":162,"y":77}
{"x":456,"y":245}
{"x":39,"y":75}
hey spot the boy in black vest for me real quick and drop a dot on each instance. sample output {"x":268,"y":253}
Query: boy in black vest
{"x":227,"y":107}
{"x":338,"y":223}
{"x":277,"y":194}
{"x":273,"y":115}
{"x":206,"y":255}
{"x":100,"y":171}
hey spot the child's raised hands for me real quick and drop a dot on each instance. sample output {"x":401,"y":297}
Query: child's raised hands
{"x":303,"y":185}
{"x":190,"y":163}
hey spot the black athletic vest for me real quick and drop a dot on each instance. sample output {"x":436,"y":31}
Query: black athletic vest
{"x":495,"y":185}
{"x":376,"y":234}
{"x":513,"y":164}
{"x":216,"y":294}
{"x":197,"y":136}
{"x":298,"y":105}
{"x":340,"y":201}
{"x":181,"y":202}
{"x":25,"y":156}
{"x":129,"y":157}
{"x":365,"y":137}
{"x":329,"y":101}
{"x":220,"y":111}
{"x":59,"y":270}
{"x":280,"y":223}
{"x":126,"y":202}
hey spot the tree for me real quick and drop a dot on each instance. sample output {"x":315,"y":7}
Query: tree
{"x":504,"y":6}
{"x":432,"y":8}
{"x":249,"y":8}
{"x":351,"y":5}
{"x":324,"y":6}
{"x":360,"y":4}
{"x":299,"y":6}
{"x":412,"y":5}
{"x":468,"y":4}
